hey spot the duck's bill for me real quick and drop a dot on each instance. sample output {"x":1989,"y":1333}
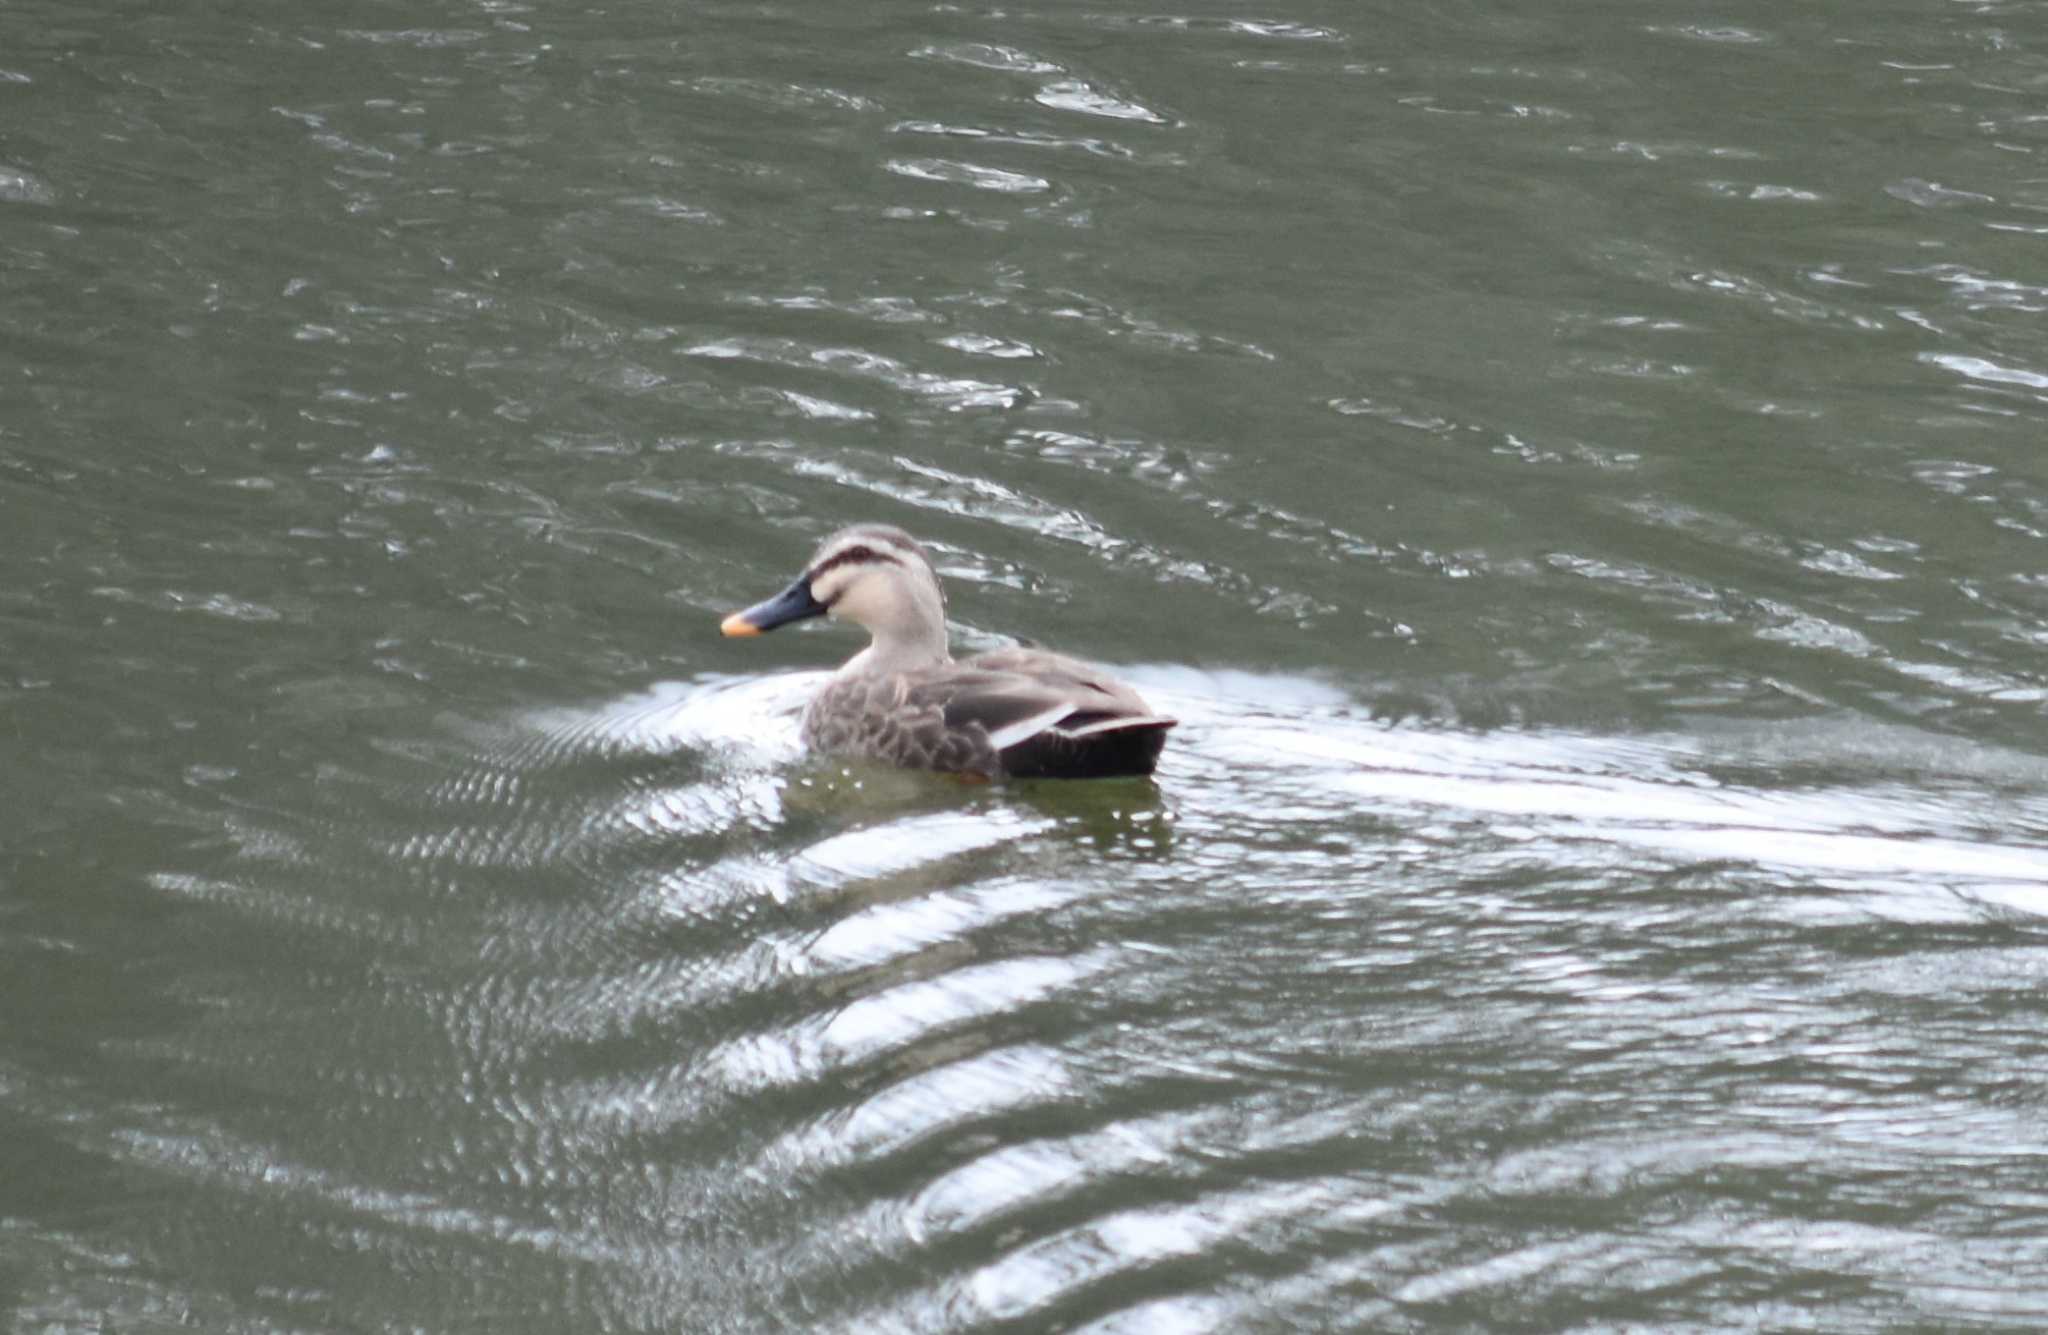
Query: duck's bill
{"x":792,"y":604}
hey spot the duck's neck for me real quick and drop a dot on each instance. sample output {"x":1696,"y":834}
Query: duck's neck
{"x":903,"y":649}
{"x":905,"y":615}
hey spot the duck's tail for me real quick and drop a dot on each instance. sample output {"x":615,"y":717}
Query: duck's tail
{"x":1096,"y":749}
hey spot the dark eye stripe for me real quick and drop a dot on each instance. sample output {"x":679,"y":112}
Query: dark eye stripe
{"x":853,"y":556}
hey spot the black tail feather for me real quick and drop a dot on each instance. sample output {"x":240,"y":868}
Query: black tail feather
{"x":1101,"y":751}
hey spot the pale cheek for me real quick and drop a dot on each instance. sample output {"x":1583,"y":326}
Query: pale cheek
{"x":853,"y":605}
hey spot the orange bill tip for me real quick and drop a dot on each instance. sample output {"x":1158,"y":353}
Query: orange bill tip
{"x":737,"y":624}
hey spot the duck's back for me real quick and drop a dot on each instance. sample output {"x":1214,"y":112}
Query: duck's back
{"x":1020,"y":713}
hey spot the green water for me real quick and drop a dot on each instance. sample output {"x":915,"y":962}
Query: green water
{"x":1574,"y":469}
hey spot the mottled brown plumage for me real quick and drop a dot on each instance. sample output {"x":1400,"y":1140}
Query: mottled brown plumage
{"x":1014,"y":713}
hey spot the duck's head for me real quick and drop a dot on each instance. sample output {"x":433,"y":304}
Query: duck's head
{"x":874,"y":575}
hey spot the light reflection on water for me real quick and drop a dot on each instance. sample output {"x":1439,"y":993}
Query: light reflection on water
{"x":980,"y":1055}
{"x":1616,"y":904}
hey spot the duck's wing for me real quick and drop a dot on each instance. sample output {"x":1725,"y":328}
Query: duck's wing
{"x":1044,"y":714}
{"x":1016,"y":712}
{"x":1005,"y":706}
{"x":1092,"y":691}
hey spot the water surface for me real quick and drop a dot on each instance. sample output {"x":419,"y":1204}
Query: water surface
{"x":1573,"y":469}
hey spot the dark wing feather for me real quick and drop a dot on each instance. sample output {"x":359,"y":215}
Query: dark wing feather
{"x":1092,"y":724}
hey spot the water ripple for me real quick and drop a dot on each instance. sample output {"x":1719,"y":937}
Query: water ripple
{"x":969,"y":174}
{"x":1582,"y":500}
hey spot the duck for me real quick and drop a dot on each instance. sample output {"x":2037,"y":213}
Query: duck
{"x":1017,"y":713}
